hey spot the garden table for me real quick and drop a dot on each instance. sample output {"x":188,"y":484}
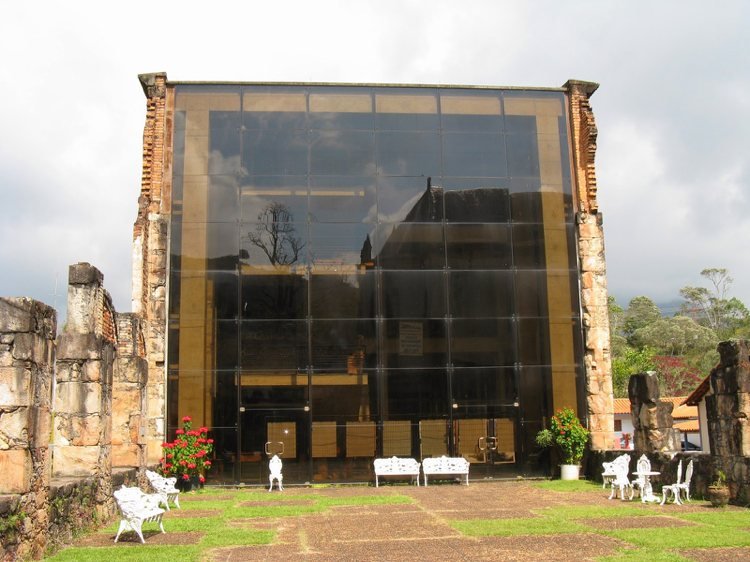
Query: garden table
{"x":647,"y":491}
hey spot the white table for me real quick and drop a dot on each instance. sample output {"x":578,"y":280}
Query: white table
{"x":647,"y":493}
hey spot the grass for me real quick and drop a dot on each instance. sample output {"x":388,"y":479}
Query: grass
{"x":712,"y":529}
{"x":215,"y":529}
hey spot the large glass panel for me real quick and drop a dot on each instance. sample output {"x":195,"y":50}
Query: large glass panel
{"x":528,"y":246}
{"x":534,"y":341}
{"x":413,"y":294}
{"x":344,"y":109}
{"x":275,"y":245}
{"x":346,"y":294}
{"x":470,"y":111}
{"x":349,"y":153}
{"x":526,"y":205}
{"x":224,"y":143}
{"x":405,"y":109}
{"x":474,"y":155}
{"x":409,"y":199}
{"x":478,"y":246}
{"x":274,"y":198}
{"x":223,"y":199}
{"x":489,"y":391}
{"x":414,"y":344}
{"x":410,"y":246}
{"x":420,"y":394}
{"x":209,"y":246}
{"x":531,"y":293}
{"x":342,"y":199}
{"x":275,"y":152}
{"x":274,"y":108}
{"x":481,"y":294}
{"x":268,"y":295}
{"x":483,"y":343}
{"x":476,"y":200}
{"x":274,"y":345}
{"x":226,"y":345}
{"x":408,"y":153}
{"x":343,"y":345}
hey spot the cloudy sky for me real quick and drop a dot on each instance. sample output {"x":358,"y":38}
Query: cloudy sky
{"x":673,"y":112}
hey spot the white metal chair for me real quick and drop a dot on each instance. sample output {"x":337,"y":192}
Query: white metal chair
{"x":274,"y":465}
{"x":136,"y":509}
{"x":165,"y":487}
{"x":609,"y":472}
{"x":621,"y":480}
{"x":678,"y":487}
{"x":641,"y":482}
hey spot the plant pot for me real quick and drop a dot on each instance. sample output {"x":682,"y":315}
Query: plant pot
{"x":569,"y":471}
{"x":193,"y":483}
{"x":718,"y":495}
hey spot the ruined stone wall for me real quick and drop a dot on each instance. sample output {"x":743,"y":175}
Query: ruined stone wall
{"x":150,"y":249}
{"x":59,"y":480}
{"x":27,"y":357}
{"x":728,"y":413}
{"x":83,"y":395}
{"x":129,"y":401}
{"x":593,"y":272}
{"x":653,"y":425}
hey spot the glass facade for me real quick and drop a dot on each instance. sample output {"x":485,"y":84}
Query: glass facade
{"x":369,"y":271}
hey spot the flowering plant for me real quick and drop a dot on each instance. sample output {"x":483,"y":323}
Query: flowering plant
{"x":189,"y":454}
{"x":567,"y":434}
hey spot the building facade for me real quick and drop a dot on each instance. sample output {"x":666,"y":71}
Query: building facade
{"x":335,"y":273}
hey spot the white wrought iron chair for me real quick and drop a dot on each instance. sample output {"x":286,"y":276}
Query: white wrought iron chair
{"x":642,"y":466}
{"x":274,"y":466}
{"x":608,"y":469}
{"x":678,"y":487}
{"x":621,"y":479}
{"x":165,"y":487}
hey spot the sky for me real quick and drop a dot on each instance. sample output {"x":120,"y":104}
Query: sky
{"x":672,"y":110}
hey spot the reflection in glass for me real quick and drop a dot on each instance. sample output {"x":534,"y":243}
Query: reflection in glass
{"x":474,"y":155}
{"x":416,"y":343}
{"x":342,"y":199}
{"x":273,"y":345}
{"x":413,"y":294}
{"x":483,"y":342}
{"x":408,"y":153}
{"x":275,"y":152}
{"x":481,"y":294}
{"x":342,"y":153}
{"x":479,"y":246}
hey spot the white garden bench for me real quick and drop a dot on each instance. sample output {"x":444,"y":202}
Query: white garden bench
{"x":165,"y":487}
{"x":136,"y":509}
{"x":445,"y":466}
{"x":395,"y":466}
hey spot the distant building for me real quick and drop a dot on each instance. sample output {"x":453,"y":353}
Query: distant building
{"x":685,"y":419}
{"x":335,"y":273}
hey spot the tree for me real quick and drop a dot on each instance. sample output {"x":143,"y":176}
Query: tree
{"x":641,"y":312}
{"x":630,"y":362}
{"x":678,"y":335}
{"x":710,"y":306}
{"x":617,"y":341}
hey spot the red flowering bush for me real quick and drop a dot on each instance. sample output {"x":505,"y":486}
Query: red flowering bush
{"x":189,"y":454}
{"x":567,"y":434}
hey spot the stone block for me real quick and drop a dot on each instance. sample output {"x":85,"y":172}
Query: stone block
{"x":14,"y":427}
{"x":131,"y":370}
{"x":40,"y":421}
{"x":643,"y":388}
{"x":78,"y":431}
{"x":126,"y":455}
{"x":15,"y":466}
{"x":80,"y":346}
{"x":83,"y":273}
{"x":15,"y":386}
{"x":78,"y":398}
{"x":75,"y":461}
{"x":92,"y":371}
{"x":15,"y":314}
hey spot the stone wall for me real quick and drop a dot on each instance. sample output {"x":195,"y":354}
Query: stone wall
{"x":27,"y":357}
{"x":593,"y":269}
{"x":97,"y":374}
{"x":653,"y":429}
{"x":727,"y":412}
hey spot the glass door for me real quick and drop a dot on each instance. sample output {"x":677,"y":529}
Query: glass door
{"x":274,"y":421}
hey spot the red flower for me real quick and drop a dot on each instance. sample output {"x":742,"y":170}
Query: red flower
{"x":203,"y":430}
{"x":187,"y":419}
{"x":201,"y":479}
{"x":185,"y":477}
{"x":180,"y":432}
{"x":210,"y":441}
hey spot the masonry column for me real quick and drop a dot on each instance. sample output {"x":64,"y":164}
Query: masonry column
{"x":27,"y":357}
{"x":653,"y":425}
{"x":593,"y":267}
{"x":129,"y":393}
{"x":83,"y":401}
{"x":150,"y":250}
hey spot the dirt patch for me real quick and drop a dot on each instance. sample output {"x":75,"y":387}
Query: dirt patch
{"x":131,"y":539}
{"x":717,"y":554}
{"x":641,"y":522}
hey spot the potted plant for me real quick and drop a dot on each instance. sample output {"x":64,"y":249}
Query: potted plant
{"x":188,"y":457}
{"x":569,"y":437}
{"x":718,"y":491}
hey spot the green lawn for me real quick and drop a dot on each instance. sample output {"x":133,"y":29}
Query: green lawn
{"x":216,"y":530}
{"x":712,"y":529}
